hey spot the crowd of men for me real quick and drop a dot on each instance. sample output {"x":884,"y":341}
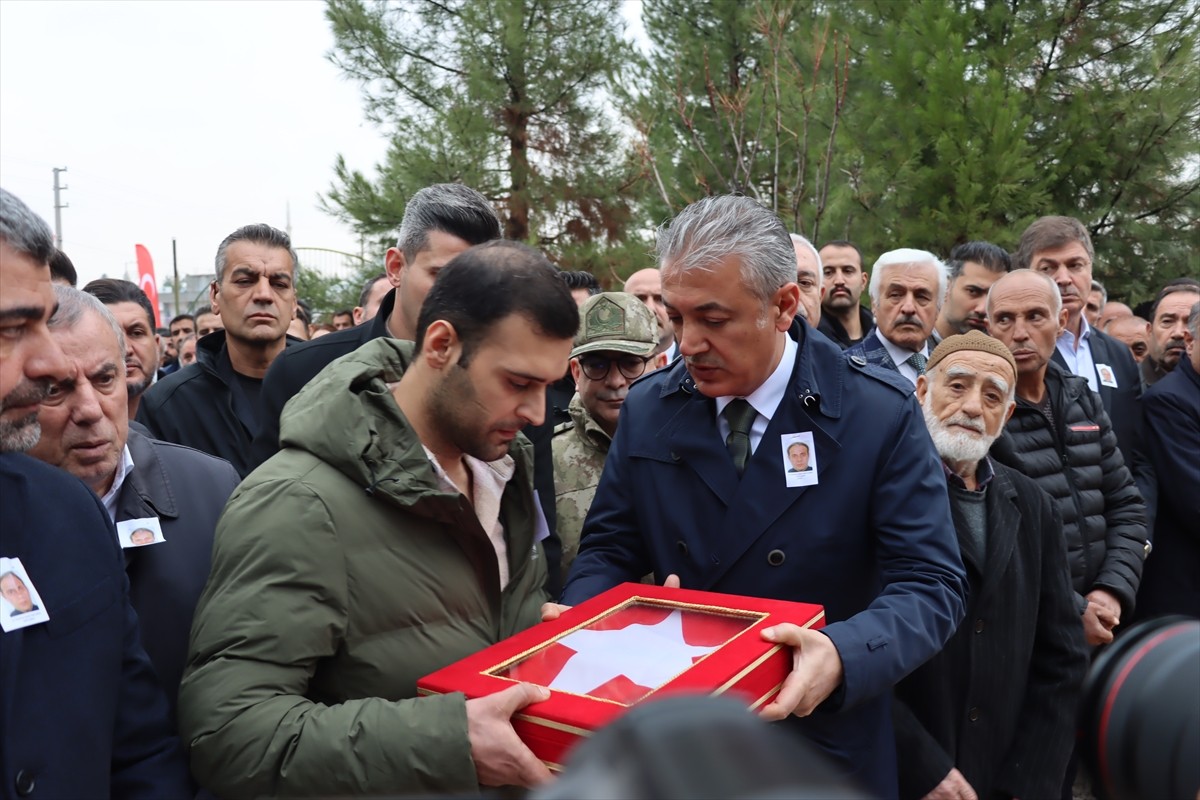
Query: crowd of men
{"x":231,"y":551}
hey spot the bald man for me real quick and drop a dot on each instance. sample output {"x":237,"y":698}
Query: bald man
{"x":1134,"y":332}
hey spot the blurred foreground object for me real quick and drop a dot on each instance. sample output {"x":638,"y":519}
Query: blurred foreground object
{"x":1141,"y":713}
{"x":694,"y":746}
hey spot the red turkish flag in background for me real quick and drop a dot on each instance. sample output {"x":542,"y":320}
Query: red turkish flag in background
{"x":147,"y":282}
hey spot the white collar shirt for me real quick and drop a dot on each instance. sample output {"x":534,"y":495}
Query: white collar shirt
{"x":766,"y":398}
{"x":1077,"y":353}
{"x":901,"y":355}
{"x":124,"y":467}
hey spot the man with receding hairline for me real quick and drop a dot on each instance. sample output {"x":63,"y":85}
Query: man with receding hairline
{"x":1134,"y":332}
{"x":1060,"y":436}
{"x":213,"y":405}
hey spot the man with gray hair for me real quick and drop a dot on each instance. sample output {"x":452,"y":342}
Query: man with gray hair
{"x":809,"y":279}
{"x":907,"y":289}
{"x":1018,"y":661}
{"x":88,"y":717}
{"x":85,"y":431}
{"x":711,"y":433}
{"x":1171,"y":583}
{"x":213,"y":405}
{"x":1096,"y":300}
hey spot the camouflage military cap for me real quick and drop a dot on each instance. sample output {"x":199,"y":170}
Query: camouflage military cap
{"x":616,"y":322}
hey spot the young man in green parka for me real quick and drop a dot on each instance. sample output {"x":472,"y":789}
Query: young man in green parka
{"x":395,"y":533}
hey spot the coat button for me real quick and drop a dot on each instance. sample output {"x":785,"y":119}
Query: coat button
{"x":979,"y":626}
{"x":674,"y":456}
{"x":682,"y":545}
{"x":859,"y":360}
{"x":775,"y":557}
{"x":973,"y":715}
{"x":24,"y":783}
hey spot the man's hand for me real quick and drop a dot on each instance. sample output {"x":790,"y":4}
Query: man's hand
{"x":1109,"y":601}
{"x":1098,"y":623}
{"x":816,"y":671}
{"x":501,"y":758}
{"x":552,"y":611}
{"x":953,"y":787}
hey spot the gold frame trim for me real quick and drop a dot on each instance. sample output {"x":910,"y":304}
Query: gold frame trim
{"x":755,"y":617}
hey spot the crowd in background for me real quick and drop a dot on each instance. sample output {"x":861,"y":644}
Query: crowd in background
{"x":984,"y":473}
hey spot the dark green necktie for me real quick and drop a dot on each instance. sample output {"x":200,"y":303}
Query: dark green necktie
{"x":917,"y":362}
{"x":740,"y":416}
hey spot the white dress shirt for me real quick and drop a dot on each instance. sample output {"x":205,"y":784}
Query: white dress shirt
{"x":1078,"y":354}
{"x":765,"y":399}
{"x":110,"y":497}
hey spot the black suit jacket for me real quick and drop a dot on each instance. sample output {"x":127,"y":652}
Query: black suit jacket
{"x":999,"y":701}
{"x":186,"y":489}
{"x":295,"y":367}
{"x":1124,"y":408}
{"x":81,"y":714}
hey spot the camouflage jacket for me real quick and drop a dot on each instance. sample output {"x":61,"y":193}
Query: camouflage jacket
{"x":580,"y":447}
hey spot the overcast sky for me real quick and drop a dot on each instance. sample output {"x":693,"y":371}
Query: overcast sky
{"x":182,"y":119}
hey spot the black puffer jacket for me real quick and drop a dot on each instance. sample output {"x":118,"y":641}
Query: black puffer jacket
{"x":1078,"y":464}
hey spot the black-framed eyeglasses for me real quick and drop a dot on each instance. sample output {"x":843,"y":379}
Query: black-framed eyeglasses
{"x":596,"y":366}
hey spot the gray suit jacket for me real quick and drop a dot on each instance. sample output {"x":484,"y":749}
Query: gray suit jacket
{"x":186,"y":490}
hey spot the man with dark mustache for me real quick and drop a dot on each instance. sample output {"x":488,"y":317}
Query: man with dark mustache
{"x":1168,"y":329}
{"x":213,"y":405}
{"x":974,"y":267}
{"x":843,"y":318}
{"x":907,"y":288}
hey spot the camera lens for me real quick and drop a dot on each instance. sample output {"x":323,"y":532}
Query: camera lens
{"x":1141,"y":713}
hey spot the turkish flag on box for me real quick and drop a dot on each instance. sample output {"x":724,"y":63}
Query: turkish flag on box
{"x":628,"y":644}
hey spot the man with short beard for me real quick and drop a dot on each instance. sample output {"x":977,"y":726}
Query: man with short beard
{"x":1011,"y":674}
{"x":974,"y":267}
{"x":1060,"y":436}
{"x":1168,"y":329}
{"x":395,"y":533}
{"x":132,"y":309}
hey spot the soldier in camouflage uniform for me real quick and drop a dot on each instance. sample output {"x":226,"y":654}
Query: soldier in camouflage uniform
{"x":616,"y":343}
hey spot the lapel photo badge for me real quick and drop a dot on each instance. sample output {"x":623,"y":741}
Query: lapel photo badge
{"x":139,"y":532}
{"x":1107,"y":376}
{"x":20,"y":603}
{"x":799,"y":459}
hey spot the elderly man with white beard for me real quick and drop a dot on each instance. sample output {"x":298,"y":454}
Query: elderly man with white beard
{"x":992,"y":714}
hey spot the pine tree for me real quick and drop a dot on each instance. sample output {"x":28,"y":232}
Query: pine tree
{"x":505,"y":96}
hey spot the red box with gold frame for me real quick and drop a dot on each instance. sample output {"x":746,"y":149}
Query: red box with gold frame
{"x":663,"y":641}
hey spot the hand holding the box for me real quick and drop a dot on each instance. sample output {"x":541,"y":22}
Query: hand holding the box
{"x":501,"y":758}
{"x":816,"y":671}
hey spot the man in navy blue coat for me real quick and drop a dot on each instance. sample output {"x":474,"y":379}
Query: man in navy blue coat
{"x":867,"y":532}
{"x":83,"y":714}
{"x":1171,"y":581}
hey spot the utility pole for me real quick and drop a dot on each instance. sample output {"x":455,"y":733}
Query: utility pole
{"x":175,"y":283}
{"x":58,"y":207}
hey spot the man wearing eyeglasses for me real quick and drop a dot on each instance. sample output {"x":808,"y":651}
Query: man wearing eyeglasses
{"x":616,"y":344}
